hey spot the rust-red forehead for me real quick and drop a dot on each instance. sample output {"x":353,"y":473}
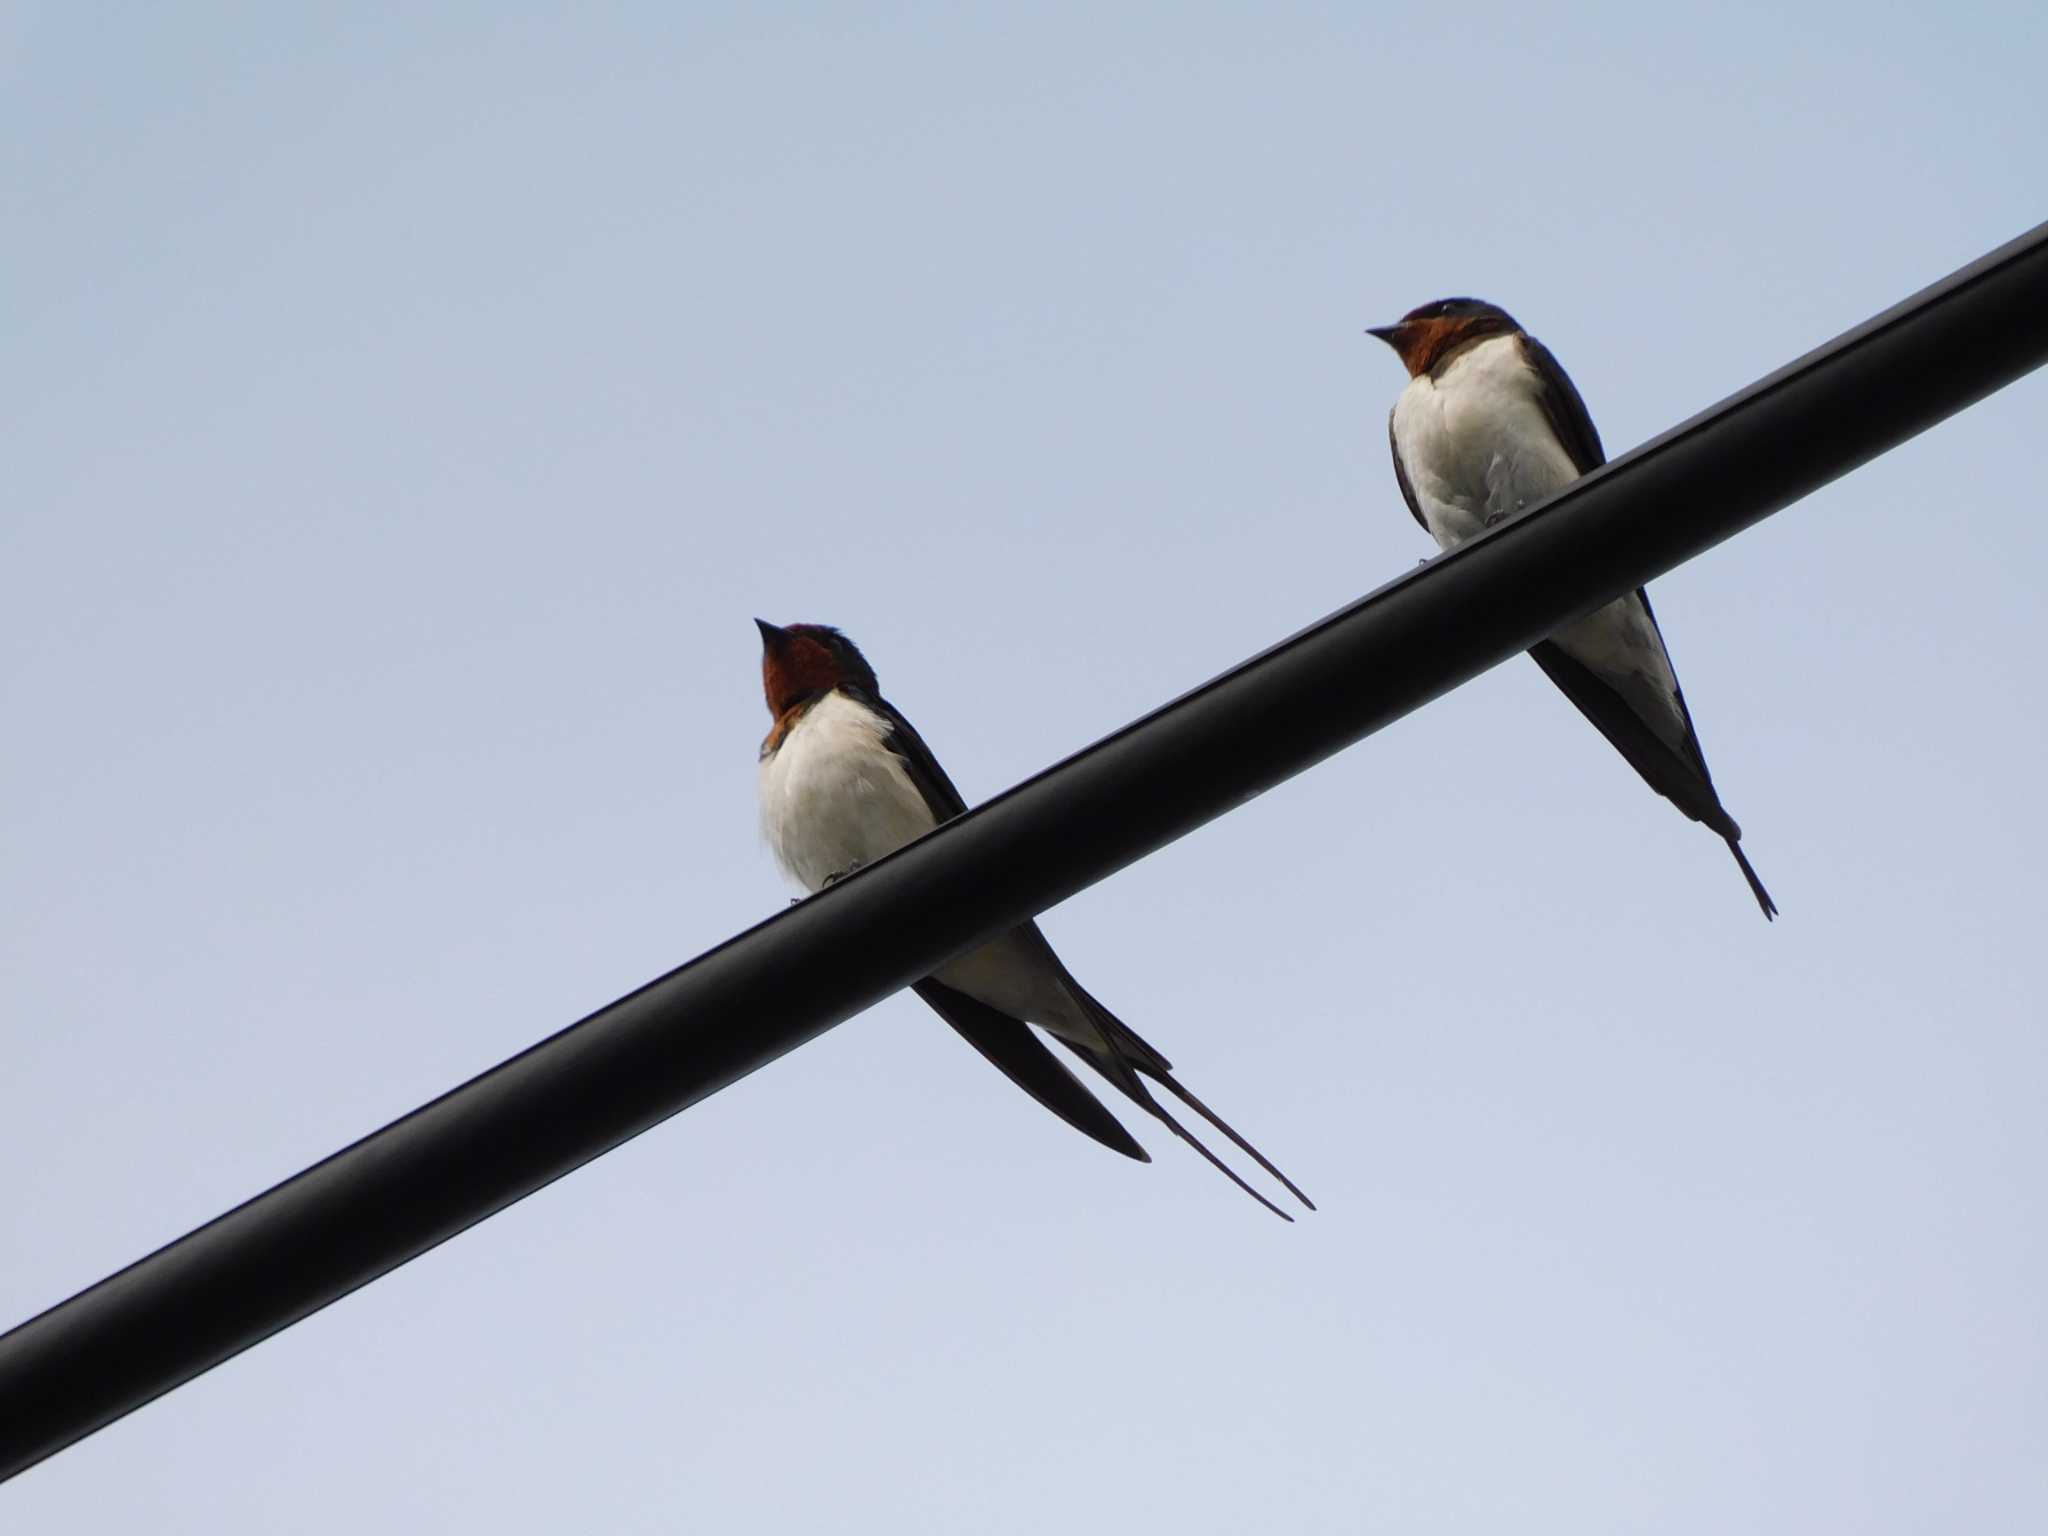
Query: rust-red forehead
{"x":1422,"y":341}
{"x":797,"y":666}
{"x":1420,"y":338}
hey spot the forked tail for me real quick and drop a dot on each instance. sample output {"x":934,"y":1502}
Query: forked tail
{"x":1756,"y":886}
{"x":1173,"y":1086}
{"x":1127,"y":1056}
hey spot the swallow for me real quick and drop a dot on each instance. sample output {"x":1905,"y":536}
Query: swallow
{"x":846,"y":780}
{"x":1490,"y":424}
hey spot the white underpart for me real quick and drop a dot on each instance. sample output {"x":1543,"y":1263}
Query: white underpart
{"x":1476,"y":444}
{"x":833,"y":797}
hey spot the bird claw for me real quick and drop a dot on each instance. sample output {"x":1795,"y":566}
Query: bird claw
{"x":1495,"y":519}
{"x":840,"y":874}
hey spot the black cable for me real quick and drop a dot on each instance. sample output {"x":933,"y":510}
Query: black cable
{"x":421,"y":1180}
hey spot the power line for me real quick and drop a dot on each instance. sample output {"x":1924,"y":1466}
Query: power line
{"x":419,"y":1181}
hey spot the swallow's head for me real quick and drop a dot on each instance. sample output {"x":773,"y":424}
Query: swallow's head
{"x":800,"y":662}
{"x":1426,"y":334}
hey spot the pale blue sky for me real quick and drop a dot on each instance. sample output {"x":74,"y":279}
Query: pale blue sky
{"x":405,"y":417}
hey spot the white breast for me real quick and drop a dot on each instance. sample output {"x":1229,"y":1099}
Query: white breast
{"x":1475,"y":443}
{"x":832,"y":796}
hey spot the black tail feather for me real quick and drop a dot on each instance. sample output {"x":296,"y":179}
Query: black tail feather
{"x":1133,"y":1088}
{"x":1681,"y":778}
{"x":1116,"y":1070}
{"x":1135,"y":1055}
{"x":1021,"y":1056}
{"x":1172,"y":1084}
{"x":1159,"y":1112}
{"x":1117,"y":1054}
{"x":1756,"y":886}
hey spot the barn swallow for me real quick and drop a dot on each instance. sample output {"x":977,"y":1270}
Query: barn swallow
{"x":1490,"y":424}
{"x":845,"y":780}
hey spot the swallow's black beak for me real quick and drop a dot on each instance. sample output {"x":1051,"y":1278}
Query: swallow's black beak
{"x":1386,"y":333}
{"x":771,"y":634}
